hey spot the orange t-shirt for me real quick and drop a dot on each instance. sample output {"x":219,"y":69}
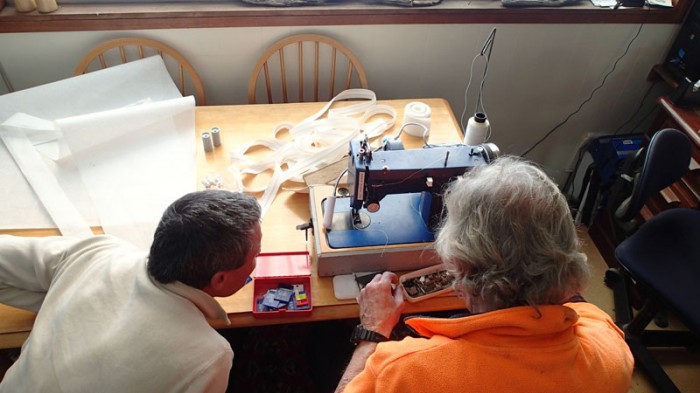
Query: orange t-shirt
{"x":574,"y":347}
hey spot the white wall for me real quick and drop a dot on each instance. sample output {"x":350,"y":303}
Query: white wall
{"x":537,"y":76}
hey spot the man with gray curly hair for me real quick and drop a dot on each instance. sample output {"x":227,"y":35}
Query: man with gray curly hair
{"x":509,"y":240}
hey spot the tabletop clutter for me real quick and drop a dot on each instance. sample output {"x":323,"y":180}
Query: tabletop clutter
{"x":285,"y":296}
{"x":426,"y":283}
{"x":282,"y":285}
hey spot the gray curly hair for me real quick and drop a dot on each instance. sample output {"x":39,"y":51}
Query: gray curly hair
{"x":509,"y":238}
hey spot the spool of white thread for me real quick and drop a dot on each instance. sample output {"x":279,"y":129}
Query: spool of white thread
{"x":416,"y":112}
{"x":216,"y":136}
{"x":206,"y":141}
{"x":477,"y":129}
{"x":328,"y":213}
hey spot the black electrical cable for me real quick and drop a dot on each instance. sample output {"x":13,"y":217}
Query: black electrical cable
{"x":639,"y":107}
{"x":652,"y":110}
{"x":589,"y":97}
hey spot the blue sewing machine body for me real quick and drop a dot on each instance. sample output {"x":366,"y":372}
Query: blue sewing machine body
{"x":384,"y":219}
{"x":402,"y":220}
{"x":396,"y":195}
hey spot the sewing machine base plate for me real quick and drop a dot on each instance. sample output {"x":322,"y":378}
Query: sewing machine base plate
{"x":335,"y":261}
{"x":400,"y":221}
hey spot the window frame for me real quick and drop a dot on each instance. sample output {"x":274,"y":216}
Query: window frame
{"x":139,"y":16}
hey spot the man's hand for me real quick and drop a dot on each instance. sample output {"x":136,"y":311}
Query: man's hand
{"x":380,"y":310}
{"x":380,"y":305}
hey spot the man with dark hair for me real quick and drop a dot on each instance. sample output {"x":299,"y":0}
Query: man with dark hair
{"x":113,"y":319}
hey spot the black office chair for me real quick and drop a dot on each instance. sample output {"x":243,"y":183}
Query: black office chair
{"x":661,"y":257}
{"x":649,"y":171}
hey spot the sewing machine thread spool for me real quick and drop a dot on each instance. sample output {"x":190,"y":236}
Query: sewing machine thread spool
{"x":419,"y":113}
{"x":206,"y":141}
{"x":477,"y":129}
{"x":328,"y":212}
{"x":216,"y":136}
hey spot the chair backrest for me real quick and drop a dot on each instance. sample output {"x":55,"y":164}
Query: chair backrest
{"x":654,"y":168}
{"x":282,"y":69}
{"x":122,"y":50}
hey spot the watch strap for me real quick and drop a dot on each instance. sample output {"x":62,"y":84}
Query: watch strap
{"x":360,"y":333}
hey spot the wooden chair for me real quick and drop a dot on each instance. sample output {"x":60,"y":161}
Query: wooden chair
{"x":327,"y":56}
{"x":123,"y":50}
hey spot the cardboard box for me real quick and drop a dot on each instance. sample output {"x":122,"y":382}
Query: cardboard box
{"x":275,"y":279}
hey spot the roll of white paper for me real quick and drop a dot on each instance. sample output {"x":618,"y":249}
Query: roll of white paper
{"x":477,"y":129}
{"x":419,"y":113}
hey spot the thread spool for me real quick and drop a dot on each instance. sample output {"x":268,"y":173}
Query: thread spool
{"x":416,"y":112}
{"x":25,"y":5}
{"x":46,"y":6}
{"x":328,"y":213}
{"x":477,"y":129}
{"x":206,"y":141}
{"x":216,"y":136}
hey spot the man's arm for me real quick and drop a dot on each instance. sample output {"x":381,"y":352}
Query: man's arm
{"x":27,"y":267}
{"x":380,"y":310}
{"x":357,"y":363}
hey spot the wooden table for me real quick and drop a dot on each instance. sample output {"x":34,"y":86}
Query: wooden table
{"x":240,"y":124}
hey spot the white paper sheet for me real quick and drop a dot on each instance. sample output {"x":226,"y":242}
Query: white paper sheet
{"x":132,"y":174}
{"x":124,"y":123}
{"x":45,"y":185}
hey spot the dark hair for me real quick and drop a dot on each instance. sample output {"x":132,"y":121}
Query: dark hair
{"x":202,"y":233}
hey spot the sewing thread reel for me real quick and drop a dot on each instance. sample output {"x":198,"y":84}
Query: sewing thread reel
{"x":216,"y":136}
{"x":207,"y":143}
{"x":416,"y":116}
{"x":328,"y":212}
{"x":477,"y":129}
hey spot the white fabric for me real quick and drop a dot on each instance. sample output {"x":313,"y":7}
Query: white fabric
{"x":104,"y":325}
{"x":317,"y":142}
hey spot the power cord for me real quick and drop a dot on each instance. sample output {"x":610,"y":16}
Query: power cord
{"x":589,"y":97}
{"x":639,"y":107}
{"x":652,"y":110}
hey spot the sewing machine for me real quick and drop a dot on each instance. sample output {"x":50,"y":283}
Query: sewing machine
{"x":385,"y":217}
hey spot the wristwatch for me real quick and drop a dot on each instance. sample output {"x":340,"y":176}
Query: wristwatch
{"x":362,"y":334}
